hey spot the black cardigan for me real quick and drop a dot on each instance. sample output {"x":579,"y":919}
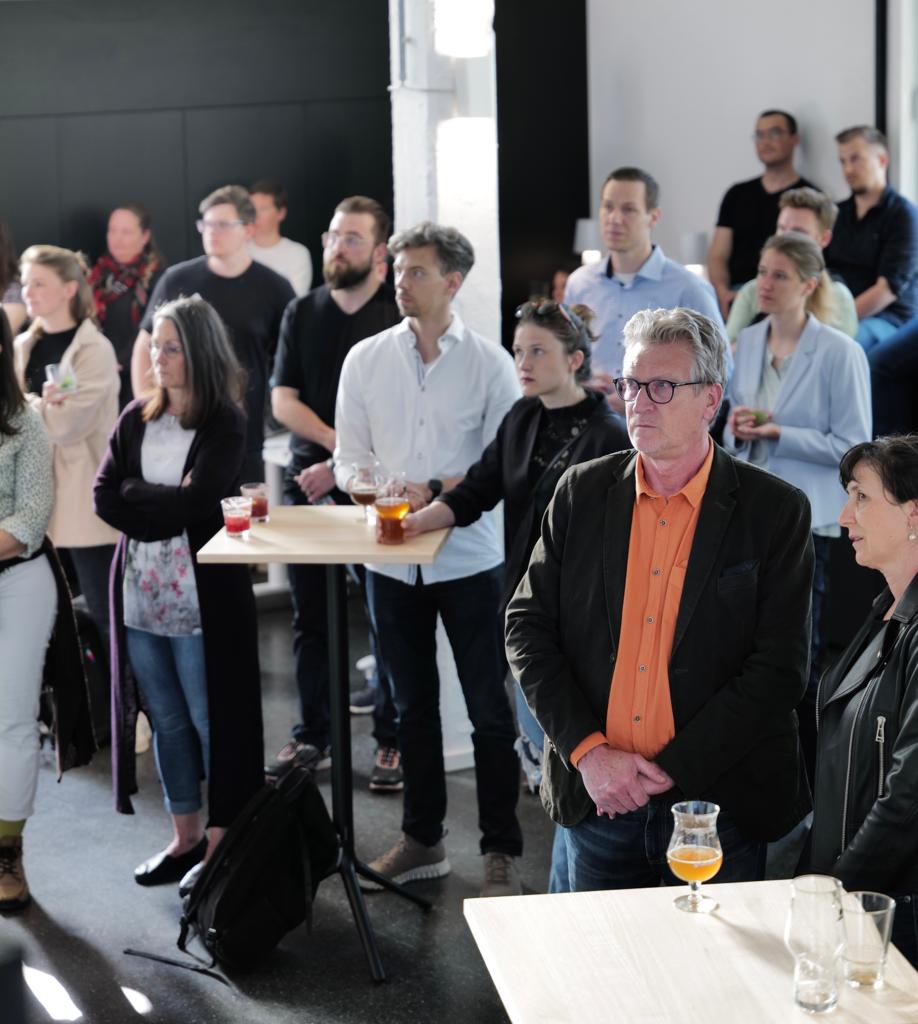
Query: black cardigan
{"x":148,"y":512}
{"x":502,"y":472}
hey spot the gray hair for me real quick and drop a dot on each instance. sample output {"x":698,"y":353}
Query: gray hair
{"x":454,"y":250}
{"x":664,"y":326}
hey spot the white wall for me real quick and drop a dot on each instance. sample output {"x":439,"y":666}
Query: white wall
{"x":675,"y":88}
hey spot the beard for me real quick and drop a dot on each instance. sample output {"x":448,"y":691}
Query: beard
{"x":346,"y":275}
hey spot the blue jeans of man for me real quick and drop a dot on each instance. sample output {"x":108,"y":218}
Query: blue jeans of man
{"x":629,"y":851}
{"x":405,"y":619}
{"x":894,"y":382}
{"x":173,"y":682}
{"x":310,"y":653}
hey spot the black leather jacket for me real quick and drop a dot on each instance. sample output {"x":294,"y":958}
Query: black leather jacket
{"x":865,"y":825}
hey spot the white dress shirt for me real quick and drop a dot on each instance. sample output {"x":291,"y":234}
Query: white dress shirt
{"x":427,"y":421}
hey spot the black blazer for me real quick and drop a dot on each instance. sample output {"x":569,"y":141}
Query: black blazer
{"x":502,"y":473}
{"x":738,"y":667}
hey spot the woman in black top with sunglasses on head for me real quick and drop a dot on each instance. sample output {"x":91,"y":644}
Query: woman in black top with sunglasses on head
{"x":557,"y":423}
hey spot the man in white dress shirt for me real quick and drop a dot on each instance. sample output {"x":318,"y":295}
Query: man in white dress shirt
{"x":284,"y":256}
{"x":426,"y":397}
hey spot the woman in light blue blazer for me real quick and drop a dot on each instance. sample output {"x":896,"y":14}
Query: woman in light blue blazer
{"x":799,"y":399}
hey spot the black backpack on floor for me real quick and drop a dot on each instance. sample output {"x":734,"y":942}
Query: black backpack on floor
{"x":262,"y":878}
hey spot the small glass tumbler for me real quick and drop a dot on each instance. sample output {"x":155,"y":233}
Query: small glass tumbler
{"x":237,"y":517}
{"x":259,"y":495}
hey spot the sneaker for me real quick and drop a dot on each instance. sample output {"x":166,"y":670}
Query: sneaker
{"x":14,"y":889}
{"x":501,"y":876}
{"x":363,"y":701}
{"x":387,"y":775}
{"x":409,"y":861}
{"x":290,"y":751}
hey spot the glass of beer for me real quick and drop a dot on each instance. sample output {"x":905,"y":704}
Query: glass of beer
{"x":694,"y":853}
{"x":259,"y":495}
{"x":392,"y":506}
{"x":364,"y":483}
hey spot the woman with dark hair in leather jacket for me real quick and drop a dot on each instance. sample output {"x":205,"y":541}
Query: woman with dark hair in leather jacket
{"x":865,"y":823}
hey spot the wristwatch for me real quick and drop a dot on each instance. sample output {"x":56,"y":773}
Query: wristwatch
{"x":436,"y":488}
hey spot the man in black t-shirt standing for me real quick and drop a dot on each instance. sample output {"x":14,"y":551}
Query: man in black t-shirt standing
{"x":317,"y":332}
{"x":249,"y":297}
{"x":749,"y":209}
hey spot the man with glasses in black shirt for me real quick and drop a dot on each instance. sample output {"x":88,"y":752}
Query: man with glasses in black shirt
{"x":317,"y":332}
{"x":250,"y":299}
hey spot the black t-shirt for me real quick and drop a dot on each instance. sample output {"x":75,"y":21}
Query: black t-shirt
{"x":48,"y":349}
{"x":315,"y":337}
{"x":751,"y":213}
{"x":251,"y":306}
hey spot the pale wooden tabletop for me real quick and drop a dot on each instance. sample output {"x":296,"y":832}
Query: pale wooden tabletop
{"x":630,"y":957}
{"x":322,"y":535}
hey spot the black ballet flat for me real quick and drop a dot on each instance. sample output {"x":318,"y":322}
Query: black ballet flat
{"x":163,"y":867}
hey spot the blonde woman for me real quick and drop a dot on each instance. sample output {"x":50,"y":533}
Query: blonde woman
{"x":79,"y":410}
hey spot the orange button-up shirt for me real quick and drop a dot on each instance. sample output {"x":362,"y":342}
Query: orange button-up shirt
{"x":639,"y":718}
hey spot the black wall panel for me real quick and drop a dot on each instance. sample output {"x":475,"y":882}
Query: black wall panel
{"x":106,"y":102}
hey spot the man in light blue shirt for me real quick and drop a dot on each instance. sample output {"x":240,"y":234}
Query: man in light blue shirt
{"x":636,"y":274}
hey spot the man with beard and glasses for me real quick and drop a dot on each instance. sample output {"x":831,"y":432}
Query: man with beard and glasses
{"x":317,"y":332}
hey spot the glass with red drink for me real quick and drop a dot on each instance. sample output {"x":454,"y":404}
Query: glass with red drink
{"x":259,"y":495}
{"x":237,"y":517}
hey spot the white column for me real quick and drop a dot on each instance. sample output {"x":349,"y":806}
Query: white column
{"x":444,"y":152}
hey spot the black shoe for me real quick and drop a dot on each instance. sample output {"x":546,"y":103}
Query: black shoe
{"x":189,"y":879}
{"x":387,"y":775}
{"x":304,"y":754}
{"x":163,"y":867}
{"x":363,"y":701}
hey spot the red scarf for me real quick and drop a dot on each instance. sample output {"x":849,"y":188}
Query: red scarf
{"x":110,"y":280}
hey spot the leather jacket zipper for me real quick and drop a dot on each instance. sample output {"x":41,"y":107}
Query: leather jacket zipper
{"x":881,"y":751}
{"x":844,"y":824}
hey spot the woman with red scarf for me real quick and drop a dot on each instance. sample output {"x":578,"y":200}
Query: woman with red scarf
{"x":122,"y":282}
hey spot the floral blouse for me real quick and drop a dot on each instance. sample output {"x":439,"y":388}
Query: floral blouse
{"x":160,"y":592}
{"x":26,"y":480}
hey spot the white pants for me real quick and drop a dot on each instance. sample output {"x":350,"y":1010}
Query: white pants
{"x":28,"y":605}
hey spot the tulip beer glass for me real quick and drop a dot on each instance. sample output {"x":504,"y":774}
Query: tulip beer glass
{"x":694,"y":853}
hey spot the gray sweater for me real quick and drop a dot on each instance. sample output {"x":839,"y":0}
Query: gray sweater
{"x":26,"y":481}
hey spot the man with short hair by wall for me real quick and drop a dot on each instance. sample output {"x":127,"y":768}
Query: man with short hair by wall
{"x":635,"y":275}
{"x":249,"y":297}
{"x":749,"y":208}
{"x":268,"y":246}
{"x":661,"y":632}
{"x":874,"y":247}
{"x":426,"y":398}
{"x":811,"y":213}
{"x":317,"y":333}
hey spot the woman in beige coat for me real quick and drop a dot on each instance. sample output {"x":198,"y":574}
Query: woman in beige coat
{"x":69,"y":373}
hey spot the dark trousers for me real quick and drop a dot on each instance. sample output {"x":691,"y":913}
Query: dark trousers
{"x":310,"y":653}
{"x":806,"y":709}
{"x":405,"y":618}
{"x":629,"y":851}
{"x":894,"y":382}
{"x":92,"y":567}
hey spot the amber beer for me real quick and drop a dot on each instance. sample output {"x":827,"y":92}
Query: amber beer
{"x":694,"y":863}
{"x":363,"y":494}
{"x":390,"y":511}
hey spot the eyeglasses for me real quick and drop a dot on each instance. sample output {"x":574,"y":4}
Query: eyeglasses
{"x":167,"y":350}
{"x":547,"y":308}
{"x":217,"y":225}
{"x":769,"y":133}
{"x":350,"y":241}
{"x":658,"y":391}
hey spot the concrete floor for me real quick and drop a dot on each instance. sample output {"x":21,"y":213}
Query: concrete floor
{"x":87,"y":909}
{"x":80,"y":856}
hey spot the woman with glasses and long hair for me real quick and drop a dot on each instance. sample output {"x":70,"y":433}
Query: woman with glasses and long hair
{"x":68,"y":370}
{"x":188,"y":631}
{"x":799,"y":399}
{"x":122,"y":281}
{"x":557,"y":423}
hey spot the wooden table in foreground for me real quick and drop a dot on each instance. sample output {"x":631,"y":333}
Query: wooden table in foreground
{"x":631,"y":957}
{"x":333,"y":536}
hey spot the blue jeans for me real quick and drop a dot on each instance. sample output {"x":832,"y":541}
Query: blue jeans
{"x":405,"y":620}
{"x":894,"y":382}
{"x":873,"y":330}
{"x":173,"y":682}
{"x":629,"y":852}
